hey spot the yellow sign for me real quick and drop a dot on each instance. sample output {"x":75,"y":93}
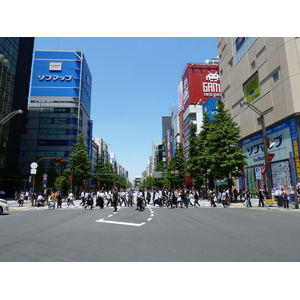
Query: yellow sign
{"x":270,"y":202}
{"x":252,"y":89}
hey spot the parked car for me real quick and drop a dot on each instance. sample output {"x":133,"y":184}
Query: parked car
{"x":4,"y":208}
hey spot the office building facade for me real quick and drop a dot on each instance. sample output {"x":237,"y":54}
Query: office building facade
{"x":59,"y":107}
{"x":265,"y":73}
{"x":15,"y":71}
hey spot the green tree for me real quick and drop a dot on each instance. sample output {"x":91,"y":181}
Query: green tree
{"x":176,"y":169}
{"x":52,"y":174}
{"x":61,"y":183}
{"x":80,"y":163}
{"x":148,"y":182}
{"x":224,"y":155}
{"x":194,"y":167}
{"x":160,"y":182}
{"x":108,"y":176}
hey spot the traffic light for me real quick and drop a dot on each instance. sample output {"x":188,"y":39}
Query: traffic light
{"x":59,"y":161}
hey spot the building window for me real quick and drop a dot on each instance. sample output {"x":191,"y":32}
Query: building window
{"x":230,"y":63}
{"x":253,"y":65}
{"x":276,"y":76}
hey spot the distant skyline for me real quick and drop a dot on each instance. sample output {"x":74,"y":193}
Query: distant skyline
{"x":134,"y":84}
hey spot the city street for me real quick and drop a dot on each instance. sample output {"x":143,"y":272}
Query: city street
{"x":205,"y":234}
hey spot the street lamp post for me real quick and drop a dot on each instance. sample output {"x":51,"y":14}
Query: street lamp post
{"x":267,"y":144}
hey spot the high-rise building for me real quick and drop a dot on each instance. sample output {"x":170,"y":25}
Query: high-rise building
{"x":15,"y":70}
{"x":59,"y":108}
{"x":264,"y":75}
{"x":199,"y":83}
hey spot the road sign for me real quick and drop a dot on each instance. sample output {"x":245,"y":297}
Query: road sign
{"x":270,"y":157}
{"x":34,"y":165}
{"x":45,"y":175}
{"x":258,"y":174}
{"x":158,"y":174}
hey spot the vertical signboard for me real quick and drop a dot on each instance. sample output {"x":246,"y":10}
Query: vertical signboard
{"x":201,"y":82}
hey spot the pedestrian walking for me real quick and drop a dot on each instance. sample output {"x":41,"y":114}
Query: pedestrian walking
{"x":33,"y":199}
{"x":89,"y":200}
{"x":285,"y":199}
{"x":197,"y":198}
{"x":191,"y":198}
{"x":179,"y":199}
{"x":100,"y":199}
{"x":140,"y":199}
{"x":129,"y":198}
{"x":170,"y":199}
{"x":212,"y":200}
{"x":21,"y":200}
{"x":123,"y":198}
{"x":248,"y":198}
{"x":70,"y":199}
{"x":59,"y":200}
{"x":109,"y":198}
{"x":156,"y":198}
{"x":115,"y":197}
{"x":148,"y":196}
{"x":82,"y":197}
{"x":224,"y":198}
{"x":261,"y":199}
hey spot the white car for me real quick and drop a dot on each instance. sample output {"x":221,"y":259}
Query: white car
{"x":4,"y":208}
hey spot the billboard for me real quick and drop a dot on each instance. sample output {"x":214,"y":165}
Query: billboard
{"x":210,"y":107}
{"x":252,"y":89}
{"x":200,"y":82}
{"x":61,"y":74}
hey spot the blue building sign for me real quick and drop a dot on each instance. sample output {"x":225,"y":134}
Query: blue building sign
{"x":62,"y":74}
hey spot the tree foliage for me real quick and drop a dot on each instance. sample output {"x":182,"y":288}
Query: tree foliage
{"x":107,"y":176}
{"x":176,"y":169}
{"x":216,"y":150}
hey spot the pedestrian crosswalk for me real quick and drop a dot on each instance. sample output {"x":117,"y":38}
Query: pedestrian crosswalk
{"x":203,"y":204}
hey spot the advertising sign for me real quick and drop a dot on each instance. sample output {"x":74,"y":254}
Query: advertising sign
{"x":252,"y":89}
{"x":55,"y":74}
{"x":180,"y":96}
{"x":210,"y":107}
{"x":200,"y":82}
{"x":55,"y":66}
{"x":254,"y":146}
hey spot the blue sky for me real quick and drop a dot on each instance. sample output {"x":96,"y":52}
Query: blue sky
{"x":134,"y":84}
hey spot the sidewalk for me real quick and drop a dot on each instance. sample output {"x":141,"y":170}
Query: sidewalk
{"x":14,"y":205}
{"x":254,"y":202}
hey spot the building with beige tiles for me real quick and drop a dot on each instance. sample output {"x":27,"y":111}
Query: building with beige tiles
{"x":264,"y":72}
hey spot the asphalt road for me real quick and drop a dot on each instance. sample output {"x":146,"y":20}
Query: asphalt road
{"x":202,"y":234}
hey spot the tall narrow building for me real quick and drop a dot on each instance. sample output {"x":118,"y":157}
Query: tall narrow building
{"x":15,"y":71}
{"x":59,"y":108}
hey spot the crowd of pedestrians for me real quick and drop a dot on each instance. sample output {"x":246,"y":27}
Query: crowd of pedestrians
{"x":170,"y":198}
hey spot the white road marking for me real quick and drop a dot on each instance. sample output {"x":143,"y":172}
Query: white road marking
{"x":120,"y":223}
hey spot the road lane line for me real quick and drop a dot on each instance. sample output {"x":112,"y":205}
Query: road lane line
{"x":120,"y":223}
